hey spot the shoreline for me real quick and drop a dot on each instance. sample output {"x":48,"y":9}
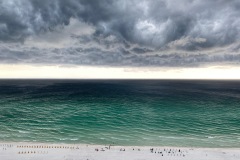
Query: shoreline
{"x":112,"y":144}
{"x":86,"y":144}
{"x":63,"y":151}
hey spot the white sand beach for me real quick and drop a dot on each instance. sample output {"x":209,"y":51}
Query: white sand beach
{"x":39,"y":151}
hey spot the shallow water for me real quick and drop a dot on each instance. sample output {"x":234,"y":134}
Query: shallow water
{"x":121,"y":112}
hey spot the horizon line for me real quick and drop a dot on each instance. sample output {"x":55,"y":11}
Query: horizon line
{"x":197,"y":79}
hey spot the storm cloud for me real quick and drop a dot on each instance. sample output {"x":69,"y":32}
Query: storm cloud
{"x":123,"y":32}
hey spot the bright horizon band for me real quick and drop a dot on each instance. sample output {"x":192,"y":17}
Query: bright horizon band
{"x":87,"y":72}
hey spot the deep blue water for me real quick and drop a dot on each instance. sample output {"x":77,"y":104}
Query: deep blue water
{"x":121,"y":112}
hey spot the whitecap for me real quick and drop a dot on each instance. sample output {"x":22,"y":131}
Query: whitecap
{"x":23,"y":132}
{"x":210,"y":137}
{"x":74,"y":139}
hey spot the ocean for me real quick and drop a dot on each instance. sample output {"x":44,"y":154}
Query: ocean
{"x":184,"y":113}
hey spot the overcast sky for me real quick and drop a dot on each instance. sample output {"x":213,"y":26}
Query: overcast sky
{"x":120,"y":33}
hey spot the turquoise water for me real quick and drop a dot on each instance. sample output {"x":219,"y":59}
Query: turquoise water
{"x":161,"y":113}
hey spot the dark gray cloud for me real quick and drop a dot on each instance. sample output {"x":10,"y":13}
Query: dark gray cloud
{"x":96,"y":56}
{"x":125,"y":32}
{"x":151,"y":23}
